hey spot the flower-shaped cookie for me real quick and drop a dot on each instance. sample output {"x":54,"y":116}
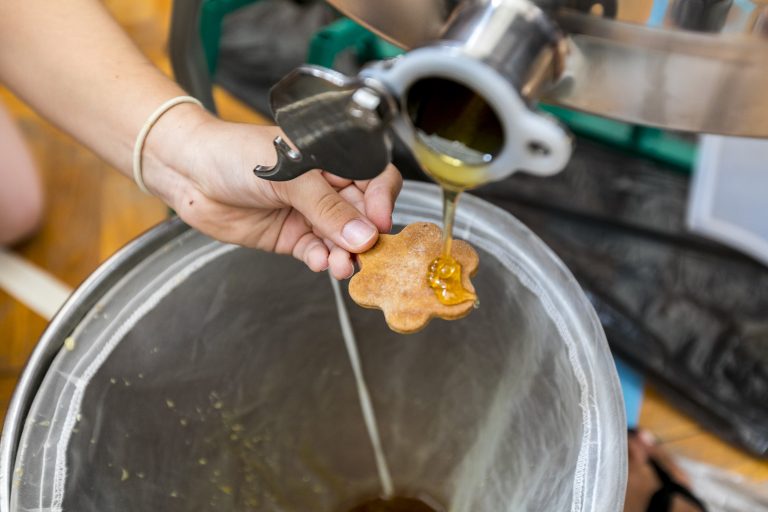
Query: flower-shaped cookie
{"x":393,"y":277}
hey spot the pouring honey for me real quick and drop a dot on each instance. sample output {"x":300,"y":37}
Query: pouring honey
{"x":457,"y":133}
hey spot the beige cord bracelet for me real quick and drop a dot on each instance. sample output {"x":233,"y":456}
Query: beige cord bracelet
{"x":142,"y":137}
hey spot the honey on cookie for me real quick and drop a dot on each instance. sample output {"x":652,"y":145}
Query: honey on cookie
{"x":391,"y":277}
{"x":444,"y":278}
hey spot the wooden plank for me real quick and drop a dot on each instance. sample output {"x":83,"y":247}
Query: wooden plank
{"x":19,"y":330}
{"x":7,"y":385}
{"x":127,"y":213}
{"x":232,"y":109}
{"x":683,"y":436}
{"x":708,"y":448}
{"x":666,"y":422}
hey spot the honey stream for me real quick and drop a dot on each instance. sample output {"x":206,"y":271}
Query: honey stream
{"x":454,"y":175}
{"x":456,"y":135}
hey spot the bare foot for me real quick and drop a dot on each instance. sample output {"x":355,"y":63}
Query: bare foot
{"x":644,"y":481}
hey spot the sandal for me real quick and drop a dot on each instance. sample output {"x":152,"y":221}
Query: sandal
{"x":661,"y":501}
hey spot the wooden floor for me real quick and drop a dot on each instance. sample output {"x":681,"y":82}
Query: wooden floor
{"x":93,"y":211}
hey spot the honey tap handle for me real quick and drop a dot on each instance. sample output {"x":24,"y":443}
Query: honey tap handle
{"x":335,"y":123}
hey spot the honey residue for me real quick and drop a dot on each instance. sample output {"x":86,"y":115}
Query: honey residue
{"x":445,"y":278}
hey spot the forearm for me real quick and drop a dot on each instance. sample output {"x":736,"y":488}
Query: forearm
{"x":72,"y":62}
{"x":69,"y":60}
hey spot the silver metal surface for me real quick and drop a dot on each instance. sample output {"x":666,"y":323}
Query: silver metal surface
{"x":516,"y":38}
{"x":676,"y":80}
{"x":686,"y":65}
{"x":489,"y":54}
{"x":336,"y":123}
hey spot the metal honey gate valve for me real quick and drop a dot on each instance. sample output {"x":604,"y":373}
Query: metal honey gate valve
{"x":472,"y":88}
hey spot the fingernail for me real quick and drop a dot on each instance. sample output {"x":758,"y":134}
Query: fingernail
{"x":357,"y":233}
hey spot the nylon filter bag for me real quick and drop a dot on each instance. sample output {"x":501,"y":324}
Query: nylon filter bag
{"x":213,"y":377}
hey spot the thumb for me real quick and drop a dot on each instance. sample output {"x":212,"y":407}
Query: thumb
{"x":330,"y":215}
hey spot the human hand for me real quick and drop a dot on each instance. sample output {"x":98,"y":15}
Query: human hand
{"x":203,"y":168}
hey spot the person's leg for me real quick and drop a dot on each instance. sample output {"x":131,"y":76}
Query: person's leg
{"x":21,"y":191}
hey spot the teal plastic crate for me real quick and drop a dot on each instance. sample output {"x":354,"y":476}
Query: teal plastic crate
{"x":653,"y":143}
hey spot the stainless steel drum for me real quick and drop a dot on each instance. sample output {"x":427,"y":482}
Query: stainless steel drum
{"x":188,"y":375}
